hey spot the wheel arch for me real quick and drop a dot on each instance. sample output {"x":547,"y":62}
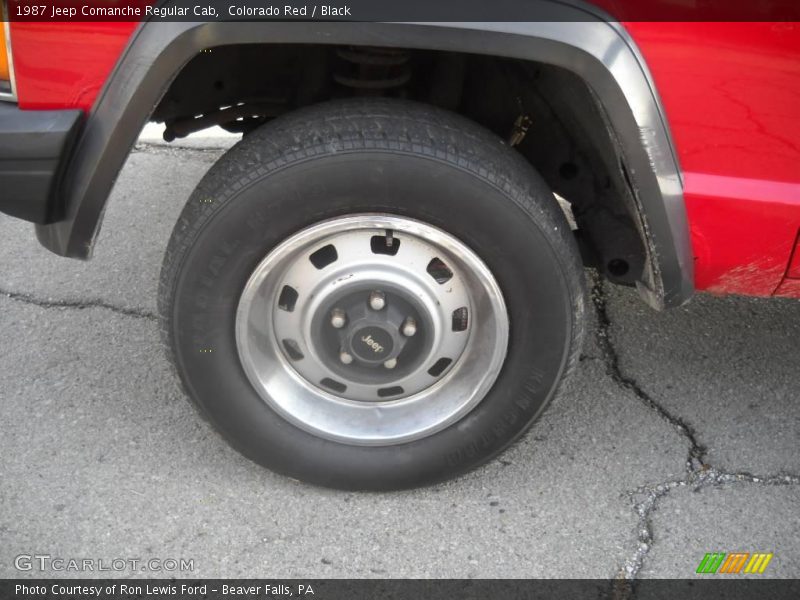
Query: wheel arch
{"x":599,"y":52}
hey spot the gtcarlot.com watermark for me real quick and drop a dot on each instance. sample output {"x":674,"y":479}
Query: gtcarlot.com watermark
{"x":46,"y":562}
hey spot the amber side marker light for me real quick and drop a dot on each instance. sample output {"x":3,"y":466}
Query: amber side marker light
{"x":6,"y":87}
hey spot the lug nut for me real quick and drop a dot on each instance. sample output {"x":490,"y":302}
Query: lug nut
{"x":345,"y":357}
{"x":338,"y":318}
{"x":377,"y":300}
{"x":409,"y":327}
{"x":391,"y":363}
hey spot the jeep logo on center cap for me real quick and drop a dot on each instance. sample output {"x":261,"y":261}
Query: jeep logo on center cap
{"x":376,"y":347}
{"x":372,"y":343}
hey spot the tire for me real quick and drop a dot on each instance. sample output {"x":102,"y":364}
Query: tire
{"x":381,"y":162}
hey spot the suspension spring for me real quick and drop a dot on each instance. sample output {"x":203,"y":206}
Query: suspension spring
{"x":373,"y":70}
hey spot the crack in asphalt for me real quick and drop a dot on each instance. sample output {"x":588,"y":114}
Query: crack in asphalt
{"x":699,"y":474}
{"x":697,"y":451}
{"x":706,"y":476}
{"x":585,"y":357}
{"x":77,"y":304}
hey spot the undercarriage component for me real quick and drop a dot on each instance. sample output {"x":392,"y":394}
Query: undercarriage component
{"x":232,"y":118}
{"x":373,"y":70}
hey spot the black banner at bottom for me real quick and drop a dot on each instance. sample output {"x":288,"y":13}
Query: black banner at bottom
{"x":702,"y":588}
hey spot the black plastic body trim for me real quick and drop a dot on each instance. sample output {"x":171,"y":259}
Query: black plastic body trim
{"x":600,"y":52}
{"x":34,"y":146}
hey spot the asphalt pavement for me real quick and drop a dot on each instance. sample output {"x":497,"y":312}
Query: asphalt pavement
{"x":678,"y":435}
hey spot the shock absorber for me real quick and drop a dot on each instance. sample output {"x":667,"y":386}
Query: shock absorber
{"x":373,"y":71}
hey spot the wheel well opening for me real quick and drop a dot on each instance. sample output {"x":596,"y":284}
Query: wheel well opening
{"x":548,"y":113}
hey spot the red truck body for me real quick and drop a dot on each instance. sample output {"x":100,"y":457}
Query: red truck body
{"x":730,"y":91}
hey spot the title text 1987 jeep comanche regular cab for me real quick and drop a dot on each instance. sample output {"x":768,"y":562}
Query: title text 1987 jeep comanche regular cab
{"x":381,"y":285}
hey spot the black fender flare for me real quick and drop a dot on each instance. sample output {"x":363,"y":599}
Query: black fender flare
{"x":597,"y":50}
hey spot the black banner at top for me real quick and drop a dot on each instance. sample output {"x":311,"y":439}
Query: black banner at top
{"x":403,"y":11}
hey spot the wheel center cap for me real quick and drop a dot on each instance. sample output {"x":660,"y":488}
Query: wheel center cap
{"x":372,"y":344}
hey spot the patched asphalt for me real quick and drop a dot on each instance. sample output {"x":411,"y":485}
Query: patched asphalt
{"x":677,"y":435}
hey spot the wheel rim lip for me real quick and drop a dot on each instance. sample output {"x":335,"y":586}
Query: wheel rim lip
{"x":386,"y":422}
